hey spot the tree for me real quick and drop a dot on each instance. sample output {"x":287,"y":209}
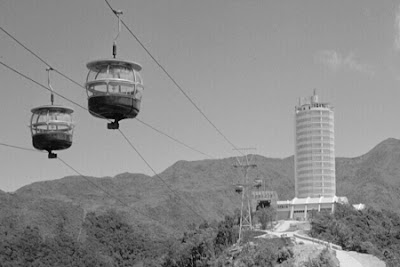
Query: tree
{"x":115,"y":238}
{"x":265,"y":252}
{"x":265,"y":215}
{"x":367,"y":231}
{"x":202,"y":246}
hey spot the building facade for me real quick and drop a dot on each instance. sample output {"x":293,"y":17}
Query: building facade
{"x":315,"y":180}
{"x":314,"y":149}
{"x":303,"y":208}
{"x":262,"y":199}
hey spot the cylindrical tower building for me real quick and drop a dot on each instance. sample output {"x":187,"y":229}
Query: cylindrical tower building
{"x":315,"y":151}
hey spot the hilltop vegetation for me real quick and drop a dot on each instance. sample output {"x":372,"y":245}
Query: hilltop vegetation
{"x":108,"y":240}
{"x":204,"y":191}
{"x":207,"y":187}
{"x":367,"y":231}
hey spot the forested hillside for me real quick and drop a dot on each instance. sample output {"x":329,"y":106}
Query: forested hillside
{"x":197,"y":191}
{"x":108,"y":240}
{"x":104,"y":240}
{"x":367,"y":231}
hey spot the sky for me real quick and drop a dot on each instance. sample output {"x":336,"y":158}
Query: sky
{"x":244,"y":63}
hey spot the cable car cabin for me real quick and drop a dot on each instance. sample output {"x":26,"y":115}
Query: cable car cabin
{"x":238,"y":189}
{"x":51,"y":128}
{"x":257,"y":182}
{"x":114,"y":89}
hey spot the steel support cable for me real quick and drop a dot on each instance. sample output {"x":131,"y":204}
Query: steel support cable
{"x":111,"y":195}
{"x":73,"y":81}
{"x":174,"y":139}
{"x":89,"y":181}
{"x":78,"y":84}
{"x":120,"y":131}
{"x":47,"y":64}
{"x":41,"y":85}
{"x":20,"y":147}
{"x":173,"y":80}
{"x":39,"y":58}
{"x":158,"y":176}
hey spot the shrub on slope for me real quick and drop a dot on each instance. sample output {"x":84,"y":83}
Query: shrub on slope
{"x":367,"y":231}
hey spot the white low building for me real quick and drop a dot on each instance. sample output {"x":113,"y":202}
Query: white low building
{"x":301,"y":208}
{"x":359,"y":206}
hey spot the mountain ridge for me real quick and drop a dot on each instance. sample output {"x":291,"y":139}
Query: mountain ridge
{"x":191,"y":191}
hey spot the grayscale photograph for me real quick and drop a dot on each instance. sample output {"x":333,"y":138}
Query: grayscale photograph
{"x":200,"y":133}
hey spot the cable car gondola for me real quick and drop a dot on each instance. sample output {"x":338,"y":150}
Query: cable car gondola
{"x":51,"y":126}
{"x":257,"y":182}
{"x":114,"y":88}
{"x":238,"y":188}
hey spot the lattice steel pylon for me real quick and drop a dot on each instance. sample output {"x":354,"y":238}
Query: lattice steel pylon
{"x":245,"y":210}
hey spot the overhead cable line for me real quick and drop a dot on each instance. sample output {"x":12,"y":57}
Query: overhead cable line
{"x":39,"y":58}
{"x":78,"y":84}
{"x":109,"y":194}
{"x":20,"y":147}
{"x":123,"y":135}
{"x":172,"y":79}
{"x":158,"y":176}
{"x":41,"y":85}
{"x":174,"y":139}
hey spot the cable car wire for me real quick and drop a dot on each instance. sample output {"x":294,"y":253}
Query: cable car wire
{"x":123,"y":135}
{"x":111,"y":195}
{"x":174,"y":139}
{"x":20,"y":147}
{"x":39,"y":58}
{"x":158,"y":176}
{"x":78,"y":84}
{"x":173,"y":80}
{"x":41,"y":85}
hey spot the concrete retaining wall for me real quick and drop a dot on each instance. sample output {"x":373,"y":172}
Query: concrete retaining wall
{"x":318,"y":241}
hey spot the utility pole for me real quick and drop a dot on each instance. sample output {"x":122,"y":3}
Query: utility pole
{"x":244,"y":165}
